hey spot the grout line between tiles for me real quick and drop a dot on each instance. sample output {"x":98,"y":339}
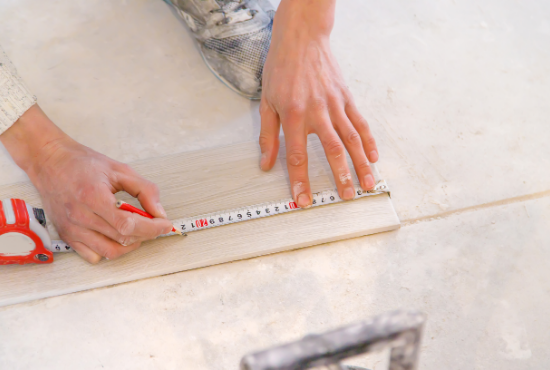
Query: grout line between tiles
{"x":497,"y":203}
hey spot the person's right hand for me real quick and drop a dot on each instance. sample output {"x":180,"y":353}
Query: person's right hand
{"x":77,"y":187}
{"x":304,"y":92}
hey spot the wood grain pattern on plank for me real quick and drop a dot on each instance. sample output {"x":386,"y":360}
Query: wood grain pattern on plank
{"x":197,"y":183}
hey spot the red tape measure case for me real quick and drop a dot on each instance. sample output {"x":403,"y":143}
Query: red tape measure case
{"x":19,"y":244}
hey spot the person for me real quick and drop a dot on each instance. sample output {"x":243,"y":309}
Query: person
{"x":283,"y":58}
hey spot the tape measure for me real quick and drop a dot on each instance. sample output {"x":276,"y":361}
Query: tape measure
{"x":215,"y":219}
{"x":190,"y":224}
{"x":23,"y":235}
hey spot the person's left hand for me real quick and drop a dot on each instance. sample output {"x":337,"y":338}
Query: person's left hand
{"x":304,"y":91}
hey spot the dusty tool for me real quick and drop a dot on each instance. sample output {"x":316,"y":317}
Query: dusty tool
{"x":400,"y":330}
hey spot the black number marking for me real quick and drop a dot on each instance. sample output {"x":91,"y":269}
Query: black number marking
{"x":220,"y":219}
{"x":249,"y":214}
{"x":267,"y":210}
{"x":240,"y":216}
{"x":211,"y":221}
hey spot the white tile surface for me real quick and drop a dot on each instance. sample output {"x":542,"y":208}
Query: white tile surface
{"x":457,"y":95}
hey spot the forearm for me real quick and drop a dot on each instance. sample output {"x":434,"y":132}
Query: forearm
{"x":31,"y":138}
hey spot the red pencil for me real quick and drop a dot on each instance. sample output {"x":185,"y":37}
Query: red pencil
{"x":130,"y":208}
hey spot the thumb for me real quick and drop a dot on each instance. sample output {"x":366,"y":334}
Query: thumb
{"x":269,"y":136}
{"x":144,"y":190}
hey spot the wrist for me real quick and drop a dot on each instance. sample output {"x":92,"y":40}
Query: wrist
{"x":32,"y":139}
{"x":311,"y":19}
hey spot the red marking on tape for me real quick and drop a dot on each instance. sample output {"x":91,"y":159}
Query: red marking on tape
{"x":201,"y":223}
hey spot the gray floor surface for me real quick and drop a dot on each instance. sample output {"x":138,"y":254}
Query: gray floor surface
{"x":457,"y":96}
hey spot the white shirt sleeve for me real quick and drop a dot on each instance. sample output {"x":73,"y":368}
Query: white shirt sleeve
{"x":15,"y":97}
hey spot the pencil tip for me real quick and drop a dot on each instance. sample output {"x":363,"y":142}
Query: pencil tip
{"x":177,"y":231}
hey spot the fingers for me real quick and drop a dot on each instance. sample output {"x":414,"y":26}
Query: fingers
{"x":130,"y":224}
{"x":89,"y":220}
{"x":354,"y":145}
{"x":269,"y":136}
{"x":296,"y":159}
{"x":362,"y":127}
{"x":144,"y":190}
{"x":336,"y":156}
{"x":97,"y":228}
{"x":85,"y":252}
{"x":92,"y":246}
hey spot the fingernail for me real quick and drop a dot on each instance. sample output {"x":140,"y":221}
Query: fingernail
{"x":161,"y":210}
{"x":349,"y":193}
{"x":127,"y":241}
{"x":263,"y":160}
{"x":303,"y":201}
{"x":369,"y":181}
{"x":373,"y":156}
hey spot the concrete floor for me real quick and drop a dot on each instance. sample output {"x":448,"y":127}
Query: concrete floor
{"x":457,"y":95}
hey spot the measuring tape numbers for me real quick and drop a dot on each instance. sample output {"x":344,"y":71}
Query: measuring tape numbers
{"x":227,"y":217}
